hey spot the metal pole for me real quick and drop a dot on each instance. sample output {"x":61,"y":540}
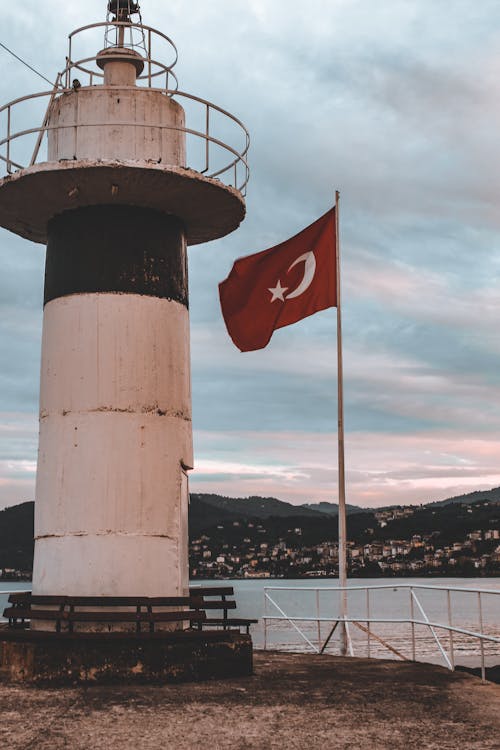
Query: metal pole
{"x":368,"y":622}
{"x":412,"y":617}
{"x":318,"y":616}
{"x":483,"y":667}
{"x":150,"y":58}
{"x":9,"y":167}
{"x":265,"y":618}
{"x":340,"y":438}
{"x":452,"y":649}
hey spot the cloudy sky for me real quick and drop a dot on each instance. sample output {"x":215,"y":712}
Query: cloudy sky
{"x":397,"y":104}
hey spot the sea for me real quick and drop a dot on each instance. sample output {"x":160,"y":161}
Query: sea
{"x":298,"y":615}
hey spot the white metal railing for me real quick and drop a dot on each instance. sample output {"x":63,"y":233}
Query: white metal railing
{"x":149,"y":36}
{"x":217,"y":131}
{"x":316,"y":637}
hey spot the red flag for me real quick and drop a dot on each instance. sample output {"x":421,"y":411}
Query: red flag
{"x":279,"y":286}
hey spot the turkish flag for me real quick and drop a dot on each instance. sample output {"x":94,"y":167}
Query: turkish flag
{"x":279,"y":286}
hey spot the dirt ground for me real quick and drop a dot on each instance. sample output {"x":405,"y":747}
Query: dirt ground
{"x":292,"y":701}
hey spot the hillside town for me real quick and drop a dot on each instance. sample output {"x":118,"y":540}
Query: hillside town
{"x":257,"y":555}
{"x":229,"y":539}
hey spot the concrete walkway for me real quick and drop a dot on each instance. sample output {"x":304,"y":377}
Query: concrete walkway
{"x":293,"y":702}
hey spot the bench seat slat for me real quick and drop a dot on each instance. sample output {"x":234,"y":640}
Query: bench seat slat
{"x":229,"y":621}
{"x":212,"y":590}
{"x":228,"y":604}
{"x":108,"y":601}
{"x":103,"y":616}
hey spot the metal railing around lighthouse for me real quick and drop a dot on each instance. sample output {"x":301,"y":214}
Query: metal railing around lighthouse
{"x":217,"y":143}
{"x":153,"y":67}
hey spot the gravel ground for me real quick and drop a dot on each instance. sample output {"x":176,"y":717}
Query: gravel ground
{"x":292,"y":701}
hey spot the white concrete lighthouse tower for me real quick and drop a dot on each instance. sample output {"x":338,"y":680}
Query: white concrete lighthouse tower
{"x":118,"y":185}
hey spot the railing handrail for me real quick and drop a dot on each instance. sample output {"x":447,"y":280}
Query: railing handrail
{"x":78,"y":64}
{"x":240,"y":156}
{"x":382,"y":586}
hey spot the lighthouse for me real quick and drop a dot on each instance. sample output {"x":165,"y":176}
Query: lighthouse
{"x":119,"y":183}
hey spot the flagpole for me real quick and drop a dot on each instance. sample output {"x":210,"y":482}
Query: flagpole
{"x":340,"y":438}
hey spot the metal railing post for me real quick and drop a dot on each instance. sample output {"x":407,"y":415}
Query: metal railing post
{"x":450,"y":632}
{"x":412,"y":617}
{"x":150,"y":58}
{"x":265,"y":618}
{"x":207,"y":142}
{"x":9,"y":168}
{"x":483,"y":667}
{"x":318,"y":616}
{"x":68,"y":67}
{"x":368,"y":634}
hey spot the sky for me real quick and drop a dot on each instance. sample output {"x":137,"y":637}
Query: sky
{"x":397,"y":105}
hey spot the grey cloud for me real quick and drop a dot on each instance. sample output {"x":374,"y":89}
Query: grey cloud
{"x":396,"y":104}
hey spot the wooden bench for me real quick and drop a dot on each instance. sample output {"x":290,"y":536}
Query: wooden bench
{"x":207,"y":595}
{"x":68,"y":610}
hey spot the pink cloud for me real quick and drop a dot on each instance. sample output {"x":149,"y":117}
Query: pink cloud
{"x":381,"y":469}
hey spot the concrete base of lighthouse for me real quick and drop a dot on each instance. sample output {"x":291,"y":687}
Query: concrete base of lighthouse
{"x":41,"y":658}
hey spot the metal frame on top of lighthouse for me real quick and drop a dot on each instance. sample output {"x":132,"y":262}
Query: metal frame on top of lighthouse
{"x":214,"y":172}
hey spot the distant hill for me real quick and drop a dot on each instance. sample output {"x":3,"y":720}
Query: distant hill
{"x":206,"y":510}
{"x":219,"y":515}
{"x":477,"y":496}
{"x":256,"y":507}
{"x":332,"y":509}
{"x":16,"y":537}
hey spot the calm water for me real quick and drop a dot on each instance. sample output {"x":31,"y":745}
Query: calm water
{"x":311,"y":596}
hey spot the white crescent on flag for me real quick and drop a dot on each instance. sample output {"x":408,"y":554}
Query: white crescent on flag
{"x":309,"y":271}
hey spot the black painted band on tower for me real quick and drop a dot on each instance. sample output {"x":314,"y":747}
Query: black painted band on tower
{"x":116,"y":249}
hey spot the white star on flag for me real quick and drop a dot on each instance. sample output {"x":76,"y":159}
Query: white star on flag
{"x":277,"y":292}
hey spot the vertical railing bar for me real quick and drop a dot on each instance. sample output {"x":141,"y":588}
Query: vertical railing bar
{"x":450,"y":632}
{"x":68,"y":64}
{"x":483,"y":667}
{"x":207,"y":133}
{"x":150,"y":58}
{"x":412,"y":616}
{"x":318,"y":616}
{"x":9,"y":169}
{"x":265,"y":618}
{"x":368,"y":643}
{"x":76,"y":127}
